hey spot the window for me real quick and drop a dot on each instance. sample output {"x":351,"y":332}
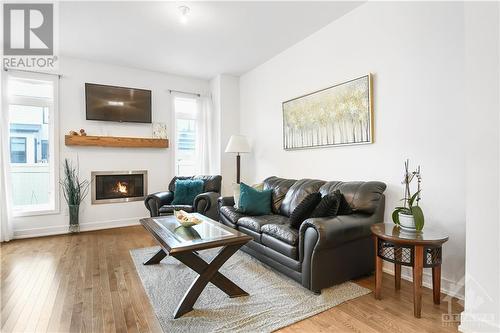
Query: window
{"x":31,"y":103}
{"x":45,"y":150}
{"x":186,"y":136}
{"x":17,"y":150}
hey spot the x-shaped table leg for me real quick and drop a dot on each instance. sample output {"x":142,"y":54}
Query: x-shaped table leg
{"x":158,"y":256}
{"x":209,"y":272}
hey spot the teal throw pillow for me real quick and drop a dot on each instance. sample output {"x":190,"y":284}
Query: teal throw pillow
{"x":254,"y":202}
{"x":186,"y":190}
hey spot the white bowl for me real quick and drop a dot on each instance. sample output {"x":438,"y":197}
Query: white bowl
{"x":191,"y":221}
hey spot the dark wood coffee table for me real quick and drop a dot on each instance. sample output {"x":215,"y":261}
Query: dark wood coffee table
{"x":419,"y":250}
{"x":183,"y":244}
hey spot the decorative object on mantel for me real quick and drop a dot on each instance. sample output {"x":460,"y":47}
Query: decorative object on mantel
{"x":160,"y":130}
{"x":81,"y":132}
{"x":74,"y":190}
{"x":238,"y":144}
{"x":114,"y":141}
{"x":410,"y":216}
{"x":339,"y":115}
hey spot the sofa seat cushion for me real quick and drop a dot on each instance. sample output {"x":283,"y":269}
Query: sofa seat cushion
{"x":283,"y":232}
{"x":255,"y":235}
{"x":230,"y":213}
{"x":169,"y":209}
{"x":256,"y":222}
{"x":273,"y":243}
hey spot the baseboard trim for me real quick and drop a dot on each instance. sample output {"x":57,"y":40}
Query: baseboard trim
{"x":475,"y":326}
{"x":63,"y":229}
{"x":448,"y":287}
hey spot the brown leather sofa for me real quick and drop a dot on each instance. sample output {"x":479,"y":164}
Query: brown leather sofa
{"x":323,"y":251}
{"x":159,"y":203}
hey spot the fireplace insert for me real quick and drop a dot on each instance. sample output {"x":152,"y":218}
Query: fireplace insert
{"x":118,"y":186}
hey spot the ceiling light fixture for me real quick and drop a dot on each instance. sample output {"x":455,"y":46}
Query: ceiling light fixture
{"x":184,"y":12}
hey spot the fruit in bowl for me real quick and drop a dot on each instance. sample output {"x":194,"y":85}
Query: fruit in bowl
{"x":186,"y":219}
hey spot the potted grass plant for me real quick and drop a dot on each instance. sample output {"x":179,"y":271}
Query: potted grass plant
{"x":74,"y":190}
{"x":410,"y":216}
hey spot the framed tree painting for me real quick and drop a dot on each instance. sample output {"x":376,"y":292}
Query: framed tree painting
{"x":338,"y":115}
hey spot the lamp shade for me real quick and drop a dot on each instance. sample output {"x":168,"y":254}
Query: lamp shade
{"x":238,"y":144}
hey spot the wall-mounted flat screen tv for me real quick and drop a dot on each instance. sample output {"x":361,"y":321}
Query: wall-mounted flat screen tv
{"x":110,"y":103}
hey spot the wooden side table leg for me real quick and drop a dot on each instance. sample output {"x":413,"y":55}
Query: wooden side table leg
{"x":397,"y":267}
{"x":418,"y":267}
{"x":436,"y":284}
{"x":378,"y":271}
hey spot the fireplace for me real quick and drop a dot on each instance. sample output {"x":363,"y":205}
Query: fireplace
{"x":119,"y":186}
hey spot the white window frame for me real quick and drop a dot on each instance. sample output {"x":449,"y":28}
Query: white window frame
{"x":182,"y":115}
{"x":53,"y":107}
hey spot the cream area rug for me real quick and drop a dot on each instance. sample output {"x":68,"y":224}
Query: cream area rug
{"x":274,"y":300}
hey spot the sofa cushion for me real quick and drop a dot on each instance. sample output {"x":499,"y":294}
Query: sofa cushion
{"x":211,"y":183}
{"x":304,"y":209}
{"x":255,"y":235}
{"x":230,"y":213}
{"x":186,"y":190}
{"x":171,"y":185}
{"x":328,"y":206}
{"x":236,"y":192}
{"x":344,"y":206}
{"x":254,"y":202}
{"x":280,"y":187}
{"x":256,"y":222}
{"x":297,"y":192}
{"x":169,"y":209}
{"x":291,"y":251}
{"x":363,"y":197}
{"x":283,"y":232}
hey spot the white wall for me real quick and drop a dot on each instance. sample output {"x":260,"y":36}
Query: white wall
{"x":158,"y":162}
{"x":226,"y":97}
{"x":215,"y":93}
{"x":416,"y":53}
{"x":482,"y":291}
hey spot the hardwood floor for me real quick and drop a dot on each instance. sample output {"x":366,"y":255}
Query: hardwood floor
{"x":88,"y":283}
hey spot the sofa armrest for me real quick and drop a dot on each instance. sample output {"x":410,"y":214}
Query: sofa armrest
{"x":335,"y":231}
{"x":341,"y":243}
{"x":206,"y":204}
{"x":154,"y":201}
{"x":226,"y":201}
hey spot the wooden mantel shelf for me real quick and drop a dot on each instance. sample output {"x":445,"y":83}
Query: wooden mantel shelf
{"x":114,"y":141}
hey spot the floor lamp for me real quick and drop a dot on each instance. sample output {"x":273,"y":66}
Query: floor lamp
{"x":238,"y":144}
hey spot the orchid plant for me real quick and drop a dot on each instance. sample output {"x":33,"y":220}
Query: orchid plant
{"x":411,"y":201}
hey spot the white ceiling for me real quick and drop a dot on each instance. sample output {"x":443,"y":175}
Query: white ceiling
{"x":219,"y":37}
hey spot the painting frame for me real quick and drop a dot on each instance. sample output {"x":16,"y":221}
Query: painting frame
{"x":370,"y":114}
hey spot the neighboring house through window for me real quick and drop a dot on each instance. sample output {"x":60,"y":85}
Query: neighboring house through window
{"x":17,"y":150}
{"x":45,"y":150}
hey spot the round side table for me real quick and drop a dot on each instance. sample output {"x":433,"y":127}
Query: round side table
{"x":419,"y":250}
